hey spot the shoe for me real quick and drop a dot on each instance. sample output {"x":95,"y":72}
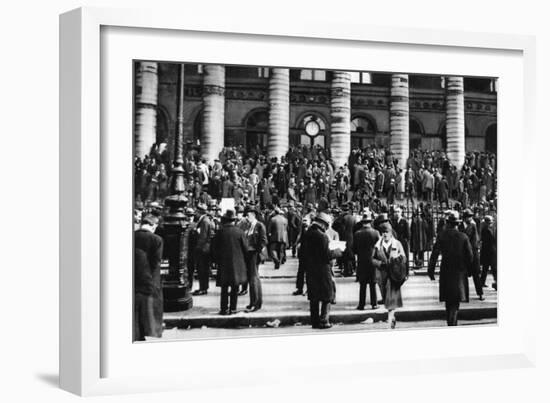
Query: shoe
{"x":484,"y":286}
{"x":375,"y":307}
{"x":315,"y":326}
{"x":223,"y":312}
{"x":200,"y":292}
{"x":494,"y":286}
{"x":243,"y":292}
{"x":232,"y":312}
{"x":298,"y":292}
{"x":325,"y":325}
{"x":252,"y":309}
{"x":248,"y":307}
{"x":481,"y":298}
{"x":360,"y":307}
{"x":393,"y":322}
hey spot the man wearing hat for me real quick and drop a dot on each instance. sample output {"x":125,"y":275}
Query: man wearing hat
{"x":204,"y":233}
{"x":363,"y":245}
{"x":257,"y":239}
{"x":277,"y":232}
{"x":344,"y":226}
{"x":469,"y":227}
{"x":315,"y":257}
{"x":229,"y":248}
{"x":456,"y":262}
{"x":488,"y":249}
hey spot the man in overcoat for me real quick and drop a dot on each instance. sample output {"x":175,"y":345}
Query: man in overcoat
{"x":315,"y":256}
{"x":488,"y":249}
{"x":344,"y":226}
{"x":277,"y":232}
{"x":363,"y":244}
{"x":229,"y":248}
{"x":294,"y":228}
{"x":469,"y":227}
{"x":204,"y":228}
{"x":256,"y":240}
{"x":456,"y":262}
{"x":402,"y":230}
{"x":148,"y":301}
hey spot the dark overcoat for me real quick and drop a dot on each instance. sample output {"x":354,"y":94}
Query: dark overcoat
{"x":147,"y":280}
{"x":294,"y":226}
{"x":363,"y":244}
{"x":419,"y":235}
{"x":315,"y":257}
{"x":229,"y":248}
{"x":456,"y":262}
{"x":403,"y":234}
{"x":488,"y":245}
{"x":471,"y":232}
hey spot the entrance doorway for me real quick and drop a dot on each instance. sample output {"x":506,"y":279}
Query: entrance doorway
{"x":256,"y":130}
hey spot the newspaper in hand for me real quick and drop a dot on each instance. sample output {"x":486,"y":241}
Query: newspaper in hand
{"x":334,"y":245}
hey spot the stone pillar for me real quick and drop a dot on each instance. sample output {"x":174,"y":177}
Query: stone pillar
{"x":340,"y":117}
{"x":146,"y":107}
{"x":214,"y":111}
{"x":279,"y":107}
{"x":399,"y":118}
{"x":454,"y":120}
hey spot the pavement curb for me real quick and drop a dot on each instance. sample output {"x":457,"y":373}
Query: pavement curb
{"x":242,"y":319}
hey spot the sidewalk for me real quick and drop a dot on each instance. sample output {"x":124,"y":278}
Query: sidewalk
{"x":420,"y":303}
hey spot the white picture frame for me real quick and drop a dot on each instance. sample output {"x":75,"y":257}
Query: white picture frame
{"x":85,"y":186}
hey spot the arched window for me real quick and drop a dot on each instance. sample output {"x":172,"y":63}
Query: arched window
{"x":363,"y":130}
{"x":313,"y":130}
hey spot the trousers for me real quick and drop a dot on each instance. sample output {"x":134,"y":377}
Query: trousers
{"x":321,"y":316}
{"x":254,"y":283}
{"x":229,"y":295}
{"x":363,"y":293}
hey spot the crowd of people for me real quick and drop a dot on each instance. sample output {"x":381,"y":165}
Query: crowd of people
{"x":388,"y":219}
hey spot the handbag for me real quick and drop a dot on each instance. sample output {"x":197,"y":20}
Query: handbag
{"x":397,"y":271}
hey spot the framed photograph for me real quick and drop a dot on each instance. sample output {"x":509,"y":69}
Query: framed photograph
{"x":253,"y":193}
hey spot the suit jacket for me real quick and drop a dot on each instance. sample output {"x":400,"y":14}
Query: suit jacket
{"x":229,"y":248}
{"x":256,"y":237}
{"x":278,"y":229}
{"x":204,"y":233}
{"x":363,"y":244}
{"x":456,"y":262}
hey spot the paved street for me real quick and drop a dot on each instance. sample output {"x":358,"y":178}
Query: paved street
{"x":420,"y":300}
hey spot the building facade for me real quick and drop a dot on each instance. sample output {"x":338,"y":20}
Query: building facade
{"x":277,"y":107}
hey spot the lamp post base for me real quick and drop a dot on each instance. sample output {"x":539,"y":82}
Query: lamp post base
{"x":176,"y":297}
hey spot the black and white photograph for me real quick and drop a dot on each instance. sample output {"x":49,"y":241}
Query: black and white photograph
{"x":272,"y":201}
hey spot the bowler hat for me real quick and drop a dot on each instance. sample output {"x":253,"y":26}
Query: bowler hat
{"x":251,"y":209}
{"x":201,"y":207}
{"x":467,"y":213}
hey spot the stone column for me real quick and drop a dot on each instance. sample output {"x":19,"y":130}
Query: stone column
{"x":454,"y":120}
{"x":279,"y":106}
{"x":399,"y":118}
{"x":146,"y":107}
{"x":340,"y":117}
{"x":214,"y":111}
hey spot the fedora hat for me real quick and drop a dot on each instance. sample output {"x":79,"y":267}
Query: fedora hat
{"x":229,"y":215}
{"x":453,"y":217}
{"x":201,"y":207}
{"x":251,"y":209}
{"x":467,"y":213}
{"x":324,"y":218}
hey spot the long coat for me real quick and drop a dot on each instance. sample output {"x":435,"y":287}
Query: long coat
{"x":315,"y":257}
{"x":488,"y":245}
{"x":229,"y":248}
{"x":363,"y":245}
{"x":419,"y":235}
{"x":147,"y":280}
{"x":403,"y":234}
{"x":294,"y":226}
{"x":390,"y":292}
{"x":456,"y":262}
{"x":471,"y":232}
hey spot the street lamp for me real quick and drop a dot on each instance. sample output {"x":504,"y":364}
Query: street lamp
{"x":177,"y":295}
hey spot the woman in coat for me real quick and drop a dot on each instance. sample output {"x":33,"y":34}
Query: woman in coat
{"x":386,"y":251}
